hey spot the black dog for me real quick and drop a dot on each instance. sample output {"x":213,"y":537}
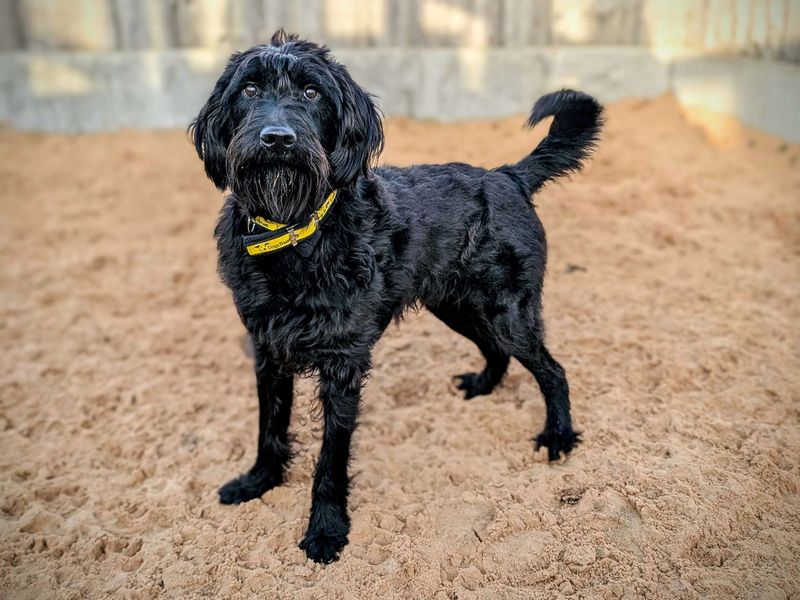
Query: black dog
{"x":321,"y":252}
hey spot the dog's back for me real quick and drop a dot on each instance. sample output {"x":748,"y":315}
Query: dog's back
{"x":466,"y":222}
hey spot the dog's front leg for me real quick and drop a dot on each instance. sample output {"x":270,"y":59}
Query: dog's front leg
{"x":329,"y":524}
{"x":275,"y":393}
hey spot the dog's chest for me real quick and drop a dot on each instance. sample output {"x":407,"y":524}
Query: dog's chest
{"x":301,"y":323}
{"x":301,"y":319}
{"x":303,"y":310}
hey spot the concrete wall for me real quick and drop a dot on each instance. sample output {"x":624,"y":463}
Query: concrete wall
{"x":87,"y":65}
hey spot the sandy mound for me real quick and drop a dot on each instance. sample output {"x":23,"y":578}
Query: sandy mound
{"x":671,"y":300}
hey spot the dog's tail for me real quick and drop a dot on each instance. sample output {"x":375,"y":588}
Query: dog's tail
{"x":572,"y":137}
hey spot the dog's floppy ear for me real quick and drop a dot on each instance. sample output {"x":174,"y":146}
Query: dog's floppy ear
{"x":211,"y":129}
{"x":360,"y":138}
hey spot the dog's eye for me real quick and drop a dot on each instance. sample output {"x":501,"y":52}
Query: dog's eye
{"x":250,"y":91}
{"x":311,"y":93}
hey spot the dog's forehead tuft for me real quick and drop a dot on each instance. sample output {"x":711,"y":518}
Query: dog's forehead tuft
{"x":260,"y":62}
{"x":277,"y":53}
{"x":284,"y":58}
{"x":276,"y":63}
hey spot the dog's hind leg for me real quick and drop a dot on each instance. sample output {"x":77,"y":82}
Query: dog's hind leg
{"x":275,"y":394}
{"x":340,"y":384}
{"x":467,"y":323}
{"x":558,"y":435}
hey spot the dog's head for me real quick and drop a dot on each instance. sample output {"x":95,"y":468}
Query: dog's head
{"x":284,"y":125}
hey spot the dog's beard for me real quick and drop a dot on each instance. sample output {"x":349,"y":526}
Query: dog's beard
{"x":274,"y":189}
{"x":278,"y":192}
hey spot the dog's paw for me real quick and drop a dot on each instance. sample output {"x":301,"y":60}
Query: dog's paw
{"x":557,"y":442}
{"x":246,"y":487}
{"x":472,"y":384}
{"x":323,"y":548}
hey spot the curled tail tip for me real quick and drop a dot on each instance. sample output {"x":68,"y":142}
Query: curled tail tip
{"x":572,"y":137}
{"x":556,"y":103}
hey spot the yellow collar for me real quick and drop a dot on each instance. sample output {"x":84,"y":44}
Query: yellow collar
{"x":277,"y":236}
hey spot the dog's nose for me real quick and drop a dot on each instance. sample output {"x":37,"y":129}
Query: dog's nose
{"x":276,"y":137}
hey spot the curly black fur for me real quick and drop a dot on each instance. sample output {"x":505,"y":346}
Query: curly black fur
{"x":464,"y":242}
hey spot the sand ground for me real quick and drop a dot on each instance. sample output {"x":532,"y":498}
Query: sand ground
{"x":671,"y":300}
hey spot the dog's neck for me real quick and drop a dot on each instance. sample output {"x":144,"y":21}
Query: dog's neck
{"x":265,"y":236}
